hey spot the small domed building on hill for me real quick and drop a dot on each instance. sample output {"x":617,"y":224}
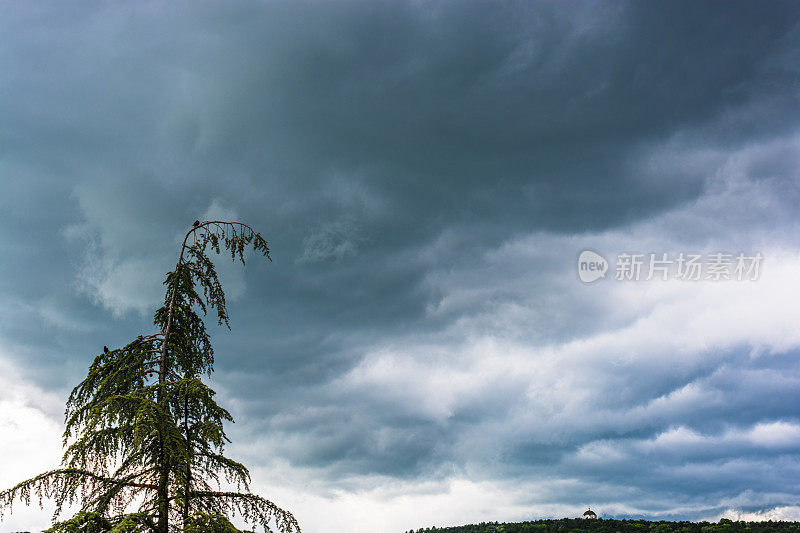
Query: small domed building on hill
{"x":589,"y":514}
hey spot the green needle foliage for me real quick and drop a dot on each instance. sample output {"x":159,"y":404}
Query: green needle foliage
{"x":144,"y":432}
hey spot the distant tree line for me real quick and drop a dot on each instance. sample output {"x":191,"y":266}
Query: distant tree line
{"x":579,"y":525}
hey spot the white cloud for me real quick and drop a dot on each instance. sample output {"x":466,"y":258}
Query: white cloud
{"x":641,"y":355}
{"x":337,"y":239}
{"x":126,"y":255}
{"x":787,"y":513}
{"x":124,"y":252}
{"x":387,"y":505}
{"x":30,"y":440}
{"x":679,"y":327}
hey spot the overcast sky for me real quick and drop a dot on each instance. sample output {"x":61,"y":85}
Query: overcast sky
{"x":421,"y":350}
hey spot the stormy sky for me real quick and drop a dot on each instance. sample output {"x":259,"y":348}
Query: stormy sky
{"x":421,"y":350}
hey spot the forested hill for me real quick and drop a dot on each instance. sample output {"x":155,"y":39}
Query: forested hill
{"x":578,"y":525}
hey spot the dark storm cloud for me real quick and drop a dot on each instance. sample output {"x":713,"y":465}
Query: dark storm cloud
{"x":425,"y":174}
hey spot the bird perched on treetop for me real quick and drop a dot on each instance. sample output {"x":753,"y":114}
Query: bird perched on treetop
{"x":105,"y":349}
{"x":196,"y":223}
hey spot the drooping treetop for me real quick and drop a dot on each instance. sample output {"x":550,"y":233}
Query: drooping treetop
{"x":144,"y":438}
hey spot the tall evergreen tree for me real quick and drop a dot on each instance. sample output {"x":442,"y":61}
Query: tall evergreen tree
{"x":144,"y":432}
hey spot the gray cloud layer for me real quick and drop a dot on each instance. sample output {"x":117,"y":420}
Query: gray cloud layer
{"x":426,"y":175}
